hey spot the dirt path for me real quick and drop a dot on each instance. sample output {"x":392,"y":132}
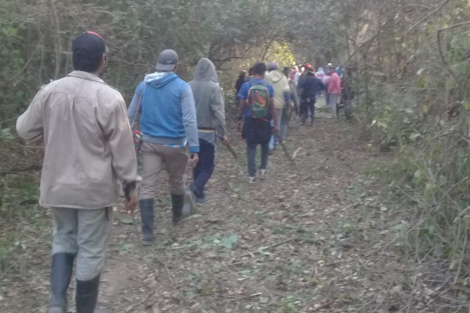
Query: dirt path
{"x":317,"y":237}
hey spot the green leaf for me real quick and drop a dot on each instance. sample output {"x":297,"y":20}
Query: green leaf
{"x":234,"y":238}
{"x":127,"y":221}
{"x":263,"y":299}
{"x":227,"y":243}
{"x":414,"y":136}
{"x":190,"y":295}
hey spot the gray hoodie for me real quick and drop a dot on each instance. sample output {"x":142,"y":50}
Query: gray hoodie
{"x":209,"y":98}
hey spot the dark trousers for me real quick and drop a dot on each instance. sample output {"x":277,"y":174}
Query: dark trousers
{"x":251,"y":156}
{"x":205,"y":167}
{"x":308,"y":106}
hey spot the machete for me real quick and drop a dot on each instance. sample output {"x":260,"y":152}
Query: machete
{"x":285,"y":150}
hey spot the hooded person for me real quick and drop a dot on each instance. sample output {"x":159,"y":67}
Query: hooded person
{"x":168,"y":123}
{"x":210,"y":112}
{"x":279,"y":81}
{"x":293,"y":104}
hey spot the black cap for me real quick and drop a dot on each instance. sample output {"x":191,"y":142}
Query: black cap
{"x":92,"y":42}
{"x":167,"y":60}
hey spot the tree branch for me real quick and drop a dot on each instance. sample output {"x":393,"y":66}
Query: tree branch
{"x":429,"y":15}
{"x":36,"y":167}
{"x":439,"y":32}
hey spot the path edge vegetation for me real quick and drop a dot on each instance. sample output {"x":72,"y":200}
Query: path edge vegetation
{"x":408,"y":65}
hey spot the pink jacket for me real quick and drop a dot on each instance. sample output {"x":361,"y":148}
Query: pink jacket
{"x":334,"y":85}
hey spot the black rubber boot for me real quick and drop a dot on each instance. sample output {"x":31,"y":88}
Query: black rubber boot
{"x":177,"y":202}
{"x":147,"y":217}
{"x":61,"y":273}
{"x":87,"y":295}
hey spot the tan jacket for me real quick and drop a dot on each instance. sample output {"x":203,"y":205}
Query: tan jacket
{"x":280,"y":85}
{"x":87,"y":138}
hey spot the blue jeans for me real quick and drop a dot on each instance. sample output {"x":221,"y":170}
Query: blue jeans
{"x":280,"y":119}
{"x":205,"y":167}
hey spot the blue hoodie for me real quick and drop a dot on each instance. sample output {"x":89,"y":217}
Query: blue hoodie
{"x":168,"y":111}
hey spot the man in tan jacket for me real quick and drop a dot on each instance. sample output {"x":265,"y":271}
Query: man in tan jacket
{"x":88,"y":148}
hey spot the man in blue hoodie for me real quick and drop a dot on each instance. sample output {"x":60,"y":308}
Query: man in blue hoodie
{"x":168,"y":124}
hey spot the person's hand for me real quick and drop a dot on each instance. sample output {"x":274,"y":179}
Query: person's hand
{"x":288,"y":112}
{"x":193,"y":160}
{"x":224,"y":140}
{"x":275,"y":129}
{"x":239,"y":126}
{"x":131,"y":203}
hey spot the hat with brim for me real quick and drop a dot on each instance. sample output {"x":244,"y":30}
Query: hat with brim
{"x":167,"y":60}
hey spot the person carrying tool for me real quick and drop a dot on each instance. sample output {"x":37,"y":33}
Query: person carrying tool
{"x":210,"y":113}
{"x":256,"y":109}
{"x":88,"y":147}
{"x":168,"y":124}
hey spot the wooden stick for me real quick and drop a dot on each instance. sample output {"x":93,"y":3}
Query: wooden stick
{"x":136,"y":232}
{"x":246,"y":297}
{"x":135,"y":306}
{"x":295,"y":153}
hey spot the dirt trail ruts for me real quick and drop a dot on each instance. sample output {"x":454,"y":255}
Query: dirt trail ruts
{"x":314,"y":237}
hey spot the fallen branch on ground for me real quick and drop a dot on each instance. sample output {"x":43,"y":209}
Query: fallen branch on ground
{"x":295,"y":153}
{"x":246,"y":297}
{"x":135,"y":306}
{"x":316,"y":242}
{"x":35,"y":167}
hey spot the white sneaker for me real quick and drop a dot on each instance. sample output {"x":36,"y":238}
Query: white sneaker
{"x":262,"y":174}
{"x":251,"y":180}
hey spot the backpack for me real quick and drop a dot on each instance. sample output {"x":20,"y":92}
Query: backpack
{"x":258,"y":100}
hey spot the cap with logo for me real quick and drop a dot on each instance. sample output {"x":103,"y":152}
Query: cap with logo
{"x":90,"y":42}
{"x":167,"y":60}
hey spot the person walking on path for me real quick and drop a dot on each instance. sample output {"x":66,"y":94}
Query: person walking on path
{"x":210,"y":113}
{"x":256,"y":109}
{"x":88,"y":148}
{"x":281,"y":100}
{"x":240,"y":81}
{"x":293,"y":105}
{"x":320,"y":73}
{"x":334,"y":91}
{"x":311,"y":87}
{"x":168,"y":124}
